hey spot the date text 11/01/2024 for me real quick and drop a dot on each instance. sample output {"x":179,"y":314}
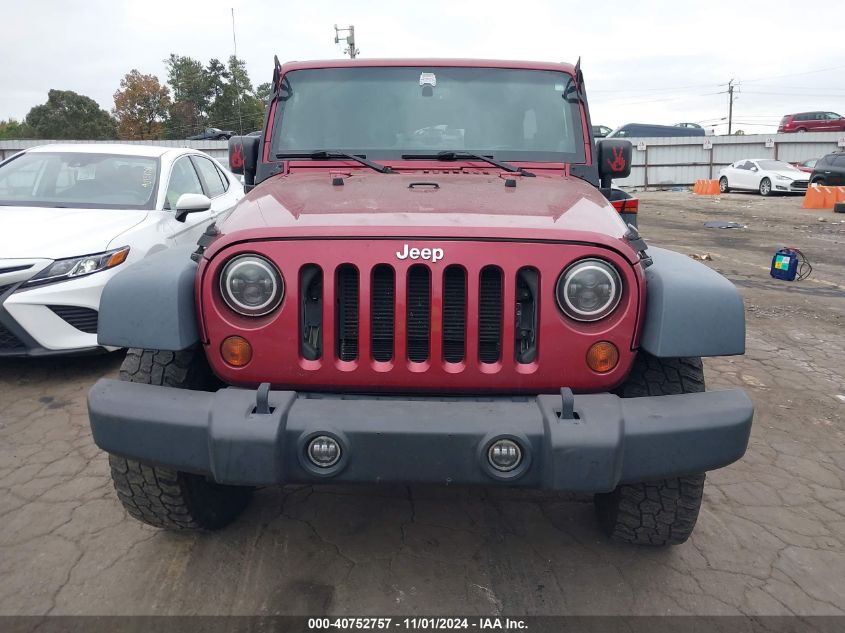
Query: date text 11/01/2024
{"x":416,"y":623}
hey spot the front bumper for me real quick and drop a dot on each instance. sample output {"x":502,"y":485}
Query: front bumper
{"x":794,"y":186}
{"x":30,"y":327}
{"x":421,"y":440}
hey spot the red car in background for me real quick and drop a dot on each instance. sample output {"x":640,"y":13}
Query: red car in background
{"x":807,"y":165}
{"x":818,"y":121}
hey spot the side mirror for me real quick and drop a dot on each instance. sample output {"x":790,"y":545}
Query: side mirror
{"x":191,"y":203}
{"x":753,"y":169}
{"x":243,"y":156}
{"x":614,"y":159}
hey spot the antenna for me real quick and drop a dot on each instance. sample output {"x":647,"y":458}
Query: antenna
{"x":350,"y":40}
{"x":235,"y":77}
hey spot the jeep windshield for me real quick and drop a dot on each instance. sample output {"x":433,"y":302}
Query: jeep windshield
{"x":398,"y":112}
{"x":79,"y":180}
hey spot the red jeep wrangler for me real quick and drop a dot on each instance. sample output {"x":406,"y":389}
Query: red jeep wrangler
{"x":426,"y":283}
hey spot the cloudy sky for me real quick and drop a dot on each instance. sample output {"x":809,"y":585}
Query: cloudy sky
{"x":646,"y":61}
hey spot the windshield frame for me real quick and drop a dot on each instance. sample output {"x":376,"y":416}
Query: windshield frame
{"x":580,"y":155}
{"x":149,"y":205}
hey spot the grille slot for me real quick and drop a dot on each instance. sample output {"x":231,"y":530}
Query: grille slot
{"x":311,"y":312}
{"x":346,"y":302}
{"x":526,"y":330}
{"x":83,"y":319}
{"x":9,"y":341}
{"x":454,"y":314}
{"x":382,"y":312}
{"x":490,"y":315}
{"x":419,"y":312}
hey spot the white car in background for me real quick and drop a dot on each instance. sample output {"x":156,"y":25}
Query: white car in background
{"x":73,"y":215}
{"x":764,"y":175}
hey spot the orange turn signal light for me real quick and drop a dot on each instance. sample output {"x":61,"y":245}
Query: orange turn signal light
{"x":236,"y":351}
{"x":118,"y":257}
{"x":602,"y":357}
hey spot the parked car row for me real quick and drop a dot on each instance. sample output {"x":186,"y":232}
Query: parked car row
{"x":816,"y":121}
{"x":768,"y":176}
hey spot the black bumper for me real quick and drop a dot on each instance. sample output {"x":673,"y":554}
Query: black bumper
{"x":421,"y":440}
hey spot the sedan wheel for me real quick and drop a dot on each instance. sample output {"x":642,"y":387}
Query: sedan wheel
{"x":723,"y":185}
{"x":765,"y":187}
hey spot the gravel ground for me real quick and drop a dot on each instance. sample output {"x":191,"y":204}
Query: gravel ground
{"x":769,"y":539}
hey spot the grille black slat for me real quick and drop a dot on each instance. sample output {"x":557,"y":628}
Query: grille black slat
{"x":9,"y":341}
{"x":419,"y":312}
{"x":382,"y":312}
{"x":454,"y":313}
{"x":526,"y":328}
{"x":490,"y":315}
{"x":311,"y":312}
{"x":83,"y":319}
{"x":346,"y":301}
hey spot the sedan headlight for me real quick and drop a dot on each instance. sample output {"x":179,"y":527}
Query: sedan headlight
{"x":73,"y":267}
{"x":589,"y":290}
{"x":251,"y":285}
{"x":786,"y":178}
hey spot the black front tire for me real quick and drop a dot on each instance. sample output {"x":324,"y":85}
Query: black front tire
{"x":660,"y":512}
{"x":163,"y":497}
{"x":723,"y":185}
{"x":765,"y":187}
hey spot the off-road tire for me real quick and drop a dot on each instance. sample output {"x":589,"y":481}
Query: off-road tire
{"x":660,"y":512}
{"x":163,"y":497}
{"x":723,"y":185}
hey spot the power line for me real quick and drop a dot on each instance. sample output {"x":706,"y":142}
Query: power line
{"x":806,"y":72}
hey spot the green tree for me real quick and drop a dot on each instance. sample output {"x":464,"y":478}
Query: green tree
{"x":189,"y":81}
{"x":68,"y":115}
{"x":237,"y":106}
{"x":264,"y":91}
{"x":216,"y":77}
{"x":13,"y":129}
{"x":140,"y":107}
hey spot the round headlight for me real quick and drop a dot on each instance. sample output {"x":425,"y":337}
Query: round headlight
{"x":589,"y":290}
{"x":251,"y":285}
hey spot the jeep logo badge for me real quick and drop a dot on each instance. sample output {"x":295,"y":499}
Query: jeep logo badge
{"x":433,"y":254}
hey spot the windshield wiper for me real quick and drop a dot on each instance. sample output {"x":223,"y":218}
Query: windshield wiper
{"x":322,"y":154}
{"x":451,"y":155}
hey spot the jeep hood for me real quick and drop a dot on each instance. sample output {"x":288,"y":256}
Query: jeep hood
{"x":451,"y":205}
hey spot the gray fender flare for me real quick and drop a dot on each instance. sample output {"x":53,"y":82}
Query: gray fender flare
{"x":691,"y":310}
{"x":151,"y":304}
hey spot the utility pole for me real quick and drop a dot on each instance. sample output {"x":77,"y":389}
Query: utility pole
{"x":731,"y":87}
{"x":350,"y":40}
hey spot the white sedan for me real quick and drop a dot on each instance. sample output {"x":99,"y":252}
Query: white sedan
{"x":765,"y":175}
{"x":72,"y":216}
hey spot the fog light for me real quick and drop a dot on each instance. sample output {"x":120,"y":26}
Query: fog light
{"x":236,"y":351}
{"x":602,"y":357}
{"x":324,"y":451}
{"x":504,"y":455}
